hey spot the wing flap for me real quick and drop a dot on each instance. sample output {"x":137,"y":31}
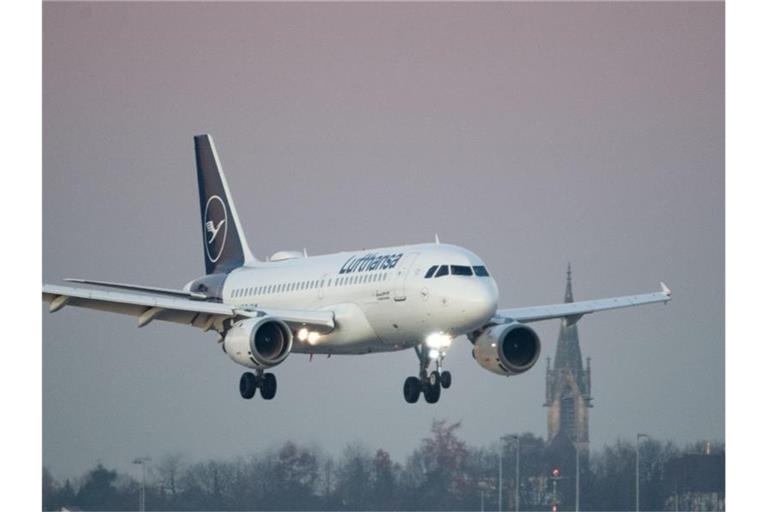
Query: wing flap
{"x":573,"y":311}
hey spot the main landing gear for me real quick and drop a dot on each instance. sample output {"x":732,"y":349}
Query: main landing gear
{"x":428,"y":383}
{"x":265,"y":382}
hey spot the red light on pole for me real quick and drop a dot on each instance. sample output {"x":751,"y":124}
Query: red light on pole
{"x":556,"y":472}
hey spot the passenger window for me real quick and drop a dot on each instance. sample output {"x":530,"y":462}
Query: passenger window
{"x":431,"y":272}
{"x":442,"y":271}
{"x":460,"y":270}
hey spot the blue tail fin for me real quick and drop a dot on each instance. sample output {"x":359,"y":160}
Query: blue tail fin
{"x":225,"y":247}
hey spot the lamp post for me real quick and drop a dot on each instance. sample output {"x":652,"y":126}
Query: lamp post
{"x":502,"y":440}
{"x":142,"y":493}
{"x":517,"y":472}
{"x":637,"y":470}
{"x":578,"y":476}
{"x":501,"y":452}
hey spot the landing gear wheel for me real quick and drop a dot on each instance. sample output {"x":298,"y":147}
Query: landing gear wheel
{"x":248,"y":384}
{"x":434,"y":378}
{"x":432,"y":392}
{"x":411,"y":390}
{"x":445,"y":379}
{"x":268,"y":386}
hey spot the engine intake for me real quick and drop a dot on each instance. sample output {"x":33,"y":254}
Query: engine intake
{"x":507,"y":349}
{"x":259,"y":342}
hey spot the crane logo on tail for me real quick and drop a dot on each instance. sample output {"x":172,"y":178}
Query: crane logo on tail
{"x":215,"y":225}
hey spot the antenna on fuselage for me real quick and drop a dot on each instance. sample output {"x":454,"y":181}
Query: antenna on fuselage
{"x":437,"y":239}
{"x":305,"y":252}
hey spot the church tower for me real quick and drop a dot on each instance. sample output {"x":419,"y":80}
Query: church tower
{"x":568,"y":393}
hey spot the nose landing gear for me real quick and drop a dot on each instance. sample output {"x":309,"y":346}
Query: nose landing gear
{"x":428,"y":383}
{"x":265,"y":382}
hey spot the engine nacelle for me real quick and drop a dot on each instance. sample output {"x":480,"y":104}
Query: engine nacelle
{"x":259,"y":342}
{"x":507,"y":349}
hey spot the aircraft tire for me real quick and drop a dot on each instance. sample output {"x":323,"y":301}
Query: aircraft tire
{"x":446,"y":379}
{"x":411,"y":390}
{"x":248,"y":385}
{"x":268,"y":386}
{"x":432,"y":393}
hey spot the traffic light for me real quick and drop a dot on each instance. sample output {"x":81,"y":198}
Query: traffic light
{"x":556,"y":472}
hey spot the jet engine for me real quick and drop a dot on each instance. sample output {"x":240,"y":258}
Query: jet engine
{"x":259,"y":342}
{"x":507,"y":349}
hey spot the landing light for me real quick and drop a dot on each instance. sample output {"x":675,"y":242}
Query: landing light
{"x":302,"y":334}
{"x":433,"y":353}
{"x":312,"y":337}
{"x":438,"y":340}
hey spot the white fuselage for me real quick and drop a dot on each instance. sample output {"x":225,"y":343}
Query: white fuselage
{"x":381,"y":298}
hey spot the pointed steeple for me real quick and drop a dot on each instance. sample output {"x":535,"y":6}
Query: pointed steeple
{"x":568,"y":393}
{"x":568,"y":354}
{"x":568,"y":288}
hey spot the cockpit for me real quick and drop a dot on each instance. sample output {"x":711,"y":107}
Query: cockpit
{"x":456,"y":270}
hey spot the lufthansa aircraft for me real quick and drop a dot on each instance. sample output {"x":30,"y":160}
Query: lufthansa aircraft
{"x":392,"y":298}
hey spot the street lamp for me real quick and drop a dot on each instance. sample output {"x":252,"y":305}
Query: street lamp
{"x":637,"y":470}
{"x":516,"y":439}
{"x":502,"y":440}
{"x":578,"y":475}
{"x":501,"y":451}
{"x":142,"y":493}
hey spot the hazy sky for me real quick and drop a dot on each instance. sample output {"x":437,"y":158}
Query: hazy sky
{"x":533,"y":134}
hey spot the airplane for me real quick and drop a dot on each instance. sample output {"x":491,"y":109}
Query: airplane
{"x":419,"y":297}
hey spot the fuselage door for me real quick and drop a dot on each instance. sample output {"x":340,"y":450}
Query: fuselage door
{"x":401,"y":277}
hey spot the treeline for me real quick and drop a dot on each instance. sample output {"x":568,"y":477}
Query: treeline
{"x":442,"y":473}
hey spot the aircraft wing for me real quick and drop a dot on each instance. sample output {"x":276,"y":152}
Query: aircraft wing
{"x":573,"y":311}
{"x":204,"y":315}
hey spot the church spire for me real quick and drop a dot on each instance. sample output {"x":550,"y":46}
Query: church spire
{"x":568,"y":289}
{"x":568,"y":393}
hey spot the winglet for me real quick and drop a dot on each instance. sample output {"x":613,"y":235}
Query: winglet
{"x":665,"y":289}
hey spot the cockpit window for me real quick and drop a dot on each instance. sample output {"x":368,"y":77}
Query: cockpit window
{"x":430,"y":272}
{"x":442,"y":271}
{"x":460,"y":270}
{"x":480,"y":271}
